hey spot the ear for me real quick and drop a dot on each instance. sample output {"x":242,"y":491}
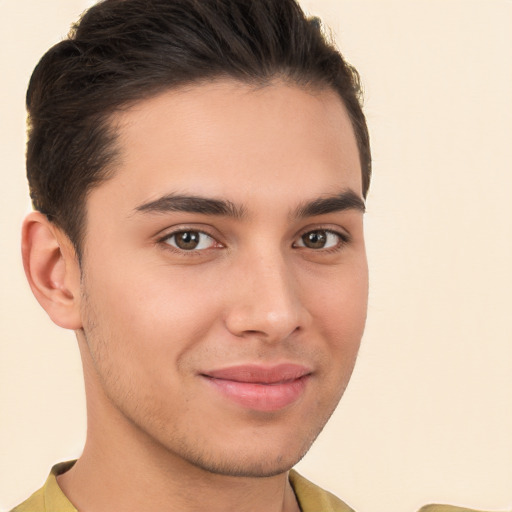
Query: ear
{"x":52,"y":270}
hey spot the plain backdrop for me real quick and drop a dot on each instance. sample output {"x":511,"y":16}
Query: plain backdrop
{"x":428,"y":414}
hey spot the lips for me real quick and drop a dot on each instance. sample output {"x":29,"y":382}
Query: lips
{"x":262,"y":388}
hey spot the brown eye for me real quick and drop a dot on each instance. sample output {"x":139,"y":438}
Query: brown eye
{"x":187,"y":240}
{"x":315,"y":239}
{"x":320,"y":239}
{"x":190,"y":240}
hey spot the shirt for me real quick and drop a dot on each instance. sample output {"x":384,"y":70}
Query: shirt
{"x":50,"y":497}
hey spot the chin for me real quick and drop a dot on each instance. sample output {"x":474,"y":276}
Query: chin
{"x":247,"y":467}
{"x":254,"y":456}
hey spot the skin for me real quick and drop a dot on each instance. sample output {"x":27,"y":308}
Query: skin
{"x":152,"y":319}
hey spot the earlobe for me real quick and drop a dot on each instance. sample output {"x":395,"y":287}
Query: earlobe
{"x":52,"y":270}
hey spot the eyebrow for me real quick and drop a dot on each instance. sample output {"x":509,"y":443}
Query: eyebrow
{"x":192,"y":204}
{"x":346,"y":200}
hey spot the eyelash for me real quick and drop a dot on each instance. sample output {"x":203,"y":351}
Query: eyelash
{"x":343,"y":240}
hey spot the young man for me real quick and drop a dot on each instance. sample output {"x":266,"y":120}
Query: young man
{"x":198,"y":172}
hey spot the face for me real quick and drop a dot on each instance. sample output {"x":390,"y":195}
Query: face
{"x":224,"y":280}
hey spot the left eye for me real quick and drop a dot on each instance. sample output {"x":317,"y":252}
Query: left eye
{"x":190,"y":240}
{"x":319,"y":239}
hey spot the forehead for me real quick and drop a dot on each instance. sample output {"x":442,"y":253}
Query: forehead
{"x":230,"y":139}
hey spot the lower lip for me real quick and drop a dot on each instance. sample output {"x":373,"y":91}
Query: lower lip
{"x":261,"y":397}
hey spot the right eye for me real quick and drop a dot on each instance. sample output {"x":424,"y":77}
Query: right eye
{"x":190,"y":240}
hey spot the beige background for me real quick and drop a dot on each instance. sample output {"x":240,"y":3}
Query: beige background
{"x":428,"y":415}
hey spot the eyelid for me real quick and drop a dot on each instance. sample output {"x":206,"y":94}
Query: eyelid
{"x":331,"y":228}
{"x":167,"y":232}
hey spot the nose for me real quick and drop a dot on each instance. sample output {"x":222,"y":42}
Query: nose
{"x":265,"y":302}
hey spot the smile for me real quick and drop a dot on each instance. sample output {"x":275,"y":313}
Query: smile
{"x":260,"y":388}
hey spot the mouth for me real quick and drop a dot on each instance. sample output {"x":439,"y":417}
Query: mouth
{"x":260,"y":388}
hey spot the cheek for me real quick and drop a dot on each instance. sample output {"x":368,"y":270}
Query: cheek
{"x":341,"y":300}
{"x":139,"y":335}
{"x":339,"y":314}
{"x":151,"y":313}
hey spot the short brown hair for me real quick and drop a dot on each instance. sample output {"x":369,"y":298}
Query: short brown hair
{"x":123,"y":51}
